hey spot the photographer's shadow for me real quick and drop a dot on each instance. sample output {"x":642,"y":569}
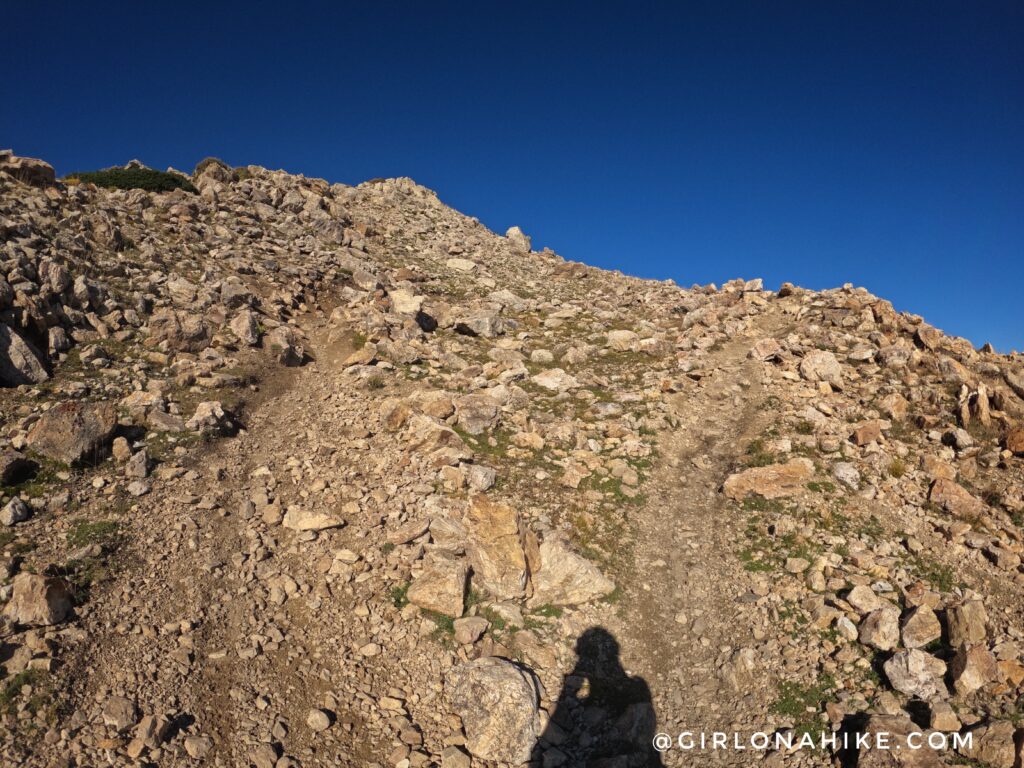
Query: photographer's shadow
{"x":603,"y":717}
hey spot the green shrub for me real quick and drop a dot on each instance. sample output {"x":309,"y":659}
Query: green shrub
{"x":134,"y":178}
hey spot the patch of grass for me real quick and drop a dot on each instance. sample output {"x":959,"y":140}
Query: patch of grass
{"x":937,"y":574}
{"x":548,"y":611}
{"x":752,"y":561}
{"x":804,"y":427}
{"x":11,"y":690}
{"x":821,"y":486}
{"x":148,"y":179}
{"x":375,"y":382}
{"x":615,"y":596}
{"x":756,"y":503}
{"x":799,"y":702}
{"x":400,"y":595}
{"x":498,"y":624}
{"x":106,"y":533}
{"x":41,"y":481}
{"x":757,"y":455}
{"x":897,"y":468}
{"x":444,"y":629}
{"x":388,"y":548}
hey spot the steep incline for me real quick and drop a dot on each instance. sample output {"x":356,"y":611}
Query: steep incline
{"x":306,"y":474}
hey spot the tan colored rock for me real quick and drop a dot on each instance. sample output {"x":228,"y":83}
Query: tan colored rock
{"x":441,"y":587}
{"x":864,"y":599}
{"x":943,"y":717}
{"x":498,"y":705}
{"x":967,"y":623}
{"x":993,"y":745}
{"x":765,"y":349}
{"x":955,"y":499}
{"x":773,"y":482}
{"x":819,"y":365}
{"x":881,"y":629}
{"x":1015,"y":441}
{"x":518,"y":239}
{"x":496,"y":548}
{"x":895,"y":406}
{"x":405,"y":302}
{"x":301,"y":519}
{"x":900,"y":753}
{"x":920,"y":627}
{"x":461,"y":265}
{"x":469,"y":629}
{"x":972,"y":667}
{"x":937,"y":469}
{"x":621,"y":340}
{"x":27,"y":170}
{"x":74,"y":431}
{"x":866,"y":433}
{"x":38,"y":601}
{"x":19,"y":362}
{"x":565,"y":578}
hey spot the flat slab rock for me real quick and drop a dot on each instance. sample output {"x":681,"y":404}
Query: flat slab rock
{"x":773,"y":482}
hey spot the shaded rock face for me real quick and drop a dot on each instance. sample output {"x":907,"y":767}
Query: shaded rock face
{"x":19,"y":362}
{"x":498,"y":704}
{"x":73,"y":432}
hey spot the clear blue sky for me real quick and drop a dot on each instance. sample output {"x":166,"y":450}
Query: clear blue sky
{"x":877,"y":143}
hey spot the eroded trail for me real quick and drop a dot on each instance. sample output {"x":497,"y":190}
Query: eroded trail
{"x":690,"y":627}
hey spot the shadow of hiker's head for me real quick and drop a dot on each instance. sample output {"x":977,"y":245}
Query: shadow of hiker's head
{"x":597,"y":660}
{"x":601,"y":712}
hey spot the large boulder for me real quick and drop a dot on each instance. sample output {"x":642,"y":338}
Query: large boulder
{"x":497,"y":702}
{"x":901,"y":751}
{"x":74,"y":431}
{"x":286,"y":345}
{"x":476,"y":413}
{"x":821,"y":366}
{"x":773,"y":482}
{"x":28,"y":170}
{"x":955,"y":499}
{"x":917,"y":673}
{"x":496,"y":548}
{"x":178,"y":332}
{"x":38,"y":601}
{"x":19,"y":362}
{"x":972,"y":667}
{"x":518,"y":240}
{"x":565,"y":578}
{"x":994,"y":744}
{"x":967,"y":623}
{"x":1015,"y":441}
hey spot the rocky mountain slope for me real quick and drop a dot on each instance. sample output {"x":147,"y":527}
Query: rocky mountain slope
{"x":303,"y":474}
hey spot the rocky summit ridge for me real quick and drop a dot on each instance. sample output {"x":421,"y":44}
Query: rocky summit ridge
{"x":307,"y":474}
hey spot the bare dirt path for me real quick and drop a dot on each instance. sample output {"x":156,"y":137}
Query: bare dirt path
{"x":687,"y":619}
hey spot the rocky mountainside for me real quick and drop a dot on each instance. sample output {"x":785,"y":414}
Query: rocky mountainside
{"x":303,"y":474}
